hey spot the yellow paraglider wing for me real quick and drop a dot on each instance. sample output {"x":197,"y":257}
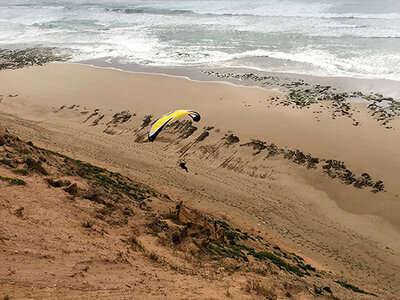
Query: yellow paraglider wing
{"x":169,"y":118}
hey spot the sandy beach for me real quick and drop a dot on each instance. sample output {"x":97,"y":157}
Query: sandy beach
{"x":253,"y":161}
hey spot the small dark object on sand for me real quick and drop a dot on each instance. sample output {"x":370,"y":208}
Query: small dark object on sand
{"x":183,"y":166}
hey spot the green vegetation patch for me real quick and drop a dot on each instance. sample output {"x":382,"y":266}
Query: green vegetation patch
{"x":353,"y":288}
{"x":32,"y":164}
{"x":20,"y":171}
{"x":113,"y":181}
{"x":263,"y":255}
{"x":12,"y":180}
{"x":217,"y":248}
{"x":232,"y":236}
{"x":6,"y":162}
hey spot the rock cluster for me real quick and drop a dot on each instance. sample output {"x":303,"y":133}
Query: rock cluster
{"x":230,"y":139}
{"x":15,"y":59}
{"x":333,"y":168}
{"x":301,"y":94}
{"x":337,"y":169}
{"x":185,"y":128}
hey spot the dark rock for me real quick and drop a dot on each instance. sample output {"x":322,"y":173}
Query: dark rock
{"x":202,"y":136}
{"x":257,"y":145}
{"x":14,"y":59}
{"x":35,"y":165}
{"x":121,"y":117}
{"x":97,"y":120}
{"x":146,"y":121}
{"x":378,"y":187}
{"x":72,"y":189}
{"x":230,"y":139}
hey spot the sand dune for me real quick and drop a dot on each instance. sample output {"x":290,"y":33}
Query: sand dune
{"x":251,"y":160}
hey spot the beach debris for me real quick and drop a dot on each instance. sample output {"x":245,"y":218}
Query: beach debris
{"x":171,"y":117}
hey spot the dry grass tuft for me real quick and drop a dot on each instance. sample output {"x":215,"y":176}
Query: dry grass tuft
{"x":256,"y":286}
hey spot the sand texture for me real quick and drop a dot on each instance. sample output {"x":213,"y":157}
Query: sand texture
{"x":324,"y":187}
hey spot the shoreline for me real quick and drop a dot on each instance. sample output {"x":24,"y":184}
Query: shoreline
{"x":341,"y":83}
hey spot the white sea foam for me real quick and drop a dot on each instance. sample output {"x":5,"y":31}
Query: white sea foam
{"x":323,"y":37}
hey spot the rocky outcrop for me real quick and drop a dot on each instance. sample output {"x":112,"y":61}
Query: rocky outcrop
{"x":230,"y":139}
{"x":15,"y":59}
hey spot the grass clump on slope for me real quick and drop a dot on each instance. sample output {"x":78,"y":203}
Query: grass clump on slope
{"x":12,"y":180}
{"x":353,"y":288}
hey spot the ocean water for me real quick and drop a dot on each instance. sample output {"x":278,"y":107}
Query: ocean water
{"x":358,"y":38}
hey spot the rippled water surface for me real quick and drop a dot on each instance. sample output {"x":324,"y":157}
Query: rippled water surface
{"x":320,"y":37}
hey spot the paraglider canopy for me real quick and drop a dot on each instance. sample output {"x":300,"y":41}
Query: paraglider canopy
{"x":169,"y":118}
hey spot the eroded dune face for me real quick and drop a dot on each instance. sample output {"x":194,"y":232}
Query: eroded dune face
{"x":320,"y":184}
{"x":72,"y":229}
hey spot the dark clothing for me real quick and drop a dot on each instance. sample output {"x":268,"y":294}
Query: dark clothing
{"x":183,"y":166}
